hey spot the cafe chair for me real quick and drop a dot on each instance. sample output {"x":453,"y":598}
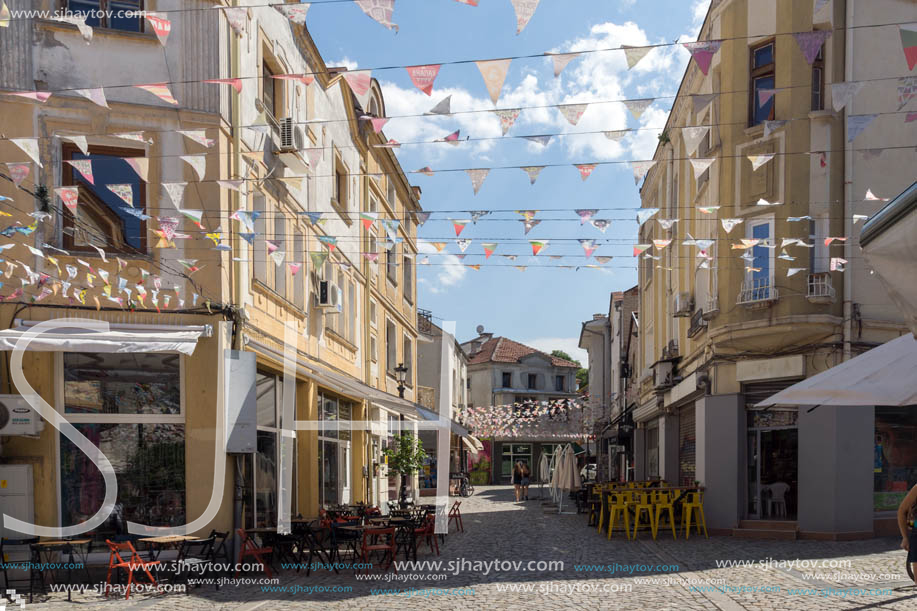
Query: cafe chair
{"x":248,"y":549}
{"x":694,"y":504}
{"x":456,"y":514}
{"x":132,"y":564}
{"x":32,"y":556}
{"x":641,"y":504}
{"x":196,"y":553}
{"x":662,"y":502}
{"x":617,"y":505}
{"x":426,"y":533}
{"x":379,"y":540}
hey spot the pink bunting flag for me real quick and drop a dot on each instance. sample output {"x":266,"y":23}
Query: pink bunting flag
{"x":161,"y":91}
{"x":19,"y":172}
{"x":573,"y":112}
{"x":38,"y":96}
{"x":585,"y":170}
{"x":810,"y":43}
{"x":141,"y":165}
{"x":489,"y":249}
{"x":378,"y":123}
{"x":525,"y":9}
{"x":380,"y":10}
{"x":296,"y":14}
{"x":703,"y":52}
{"x":585,"y":215}
{"x":161,"y":26}
{"x":84,"y":167}
{"x":468,"y":2}
{"x":371,"y":256}
{"x":459,"y":226}
{"x":235,"y":83}
{"x":589,"y":247}
{"x":426,"y":171}
{"x":359,"y":81}
{"x":424,"y":76}
{"x":507,"y":118}
{"x":561,"y":60}
{"x":764,"y":96}
{"x":69,"y":195}
{"x":96,"y":96}
{"x":829,"y":240}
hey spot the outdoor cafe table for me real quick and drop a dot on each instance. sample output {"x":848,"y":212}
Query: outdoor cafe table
{"x":157,"y":544}
{"x":65,"y":547}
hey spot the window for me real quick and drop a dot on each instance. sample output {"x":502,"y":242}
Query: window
{"x":391,"y":194}
{"x":408,"y":278}
{"x":112,"y":14}
{"x":334,"y":448}
{"x":894,"y":465}
{"x":102,"y":218}
{"x":559,"y":383}
{"x":513,"y":453}
{"x":373,"y":349}
{"x":372,"y":313}
{"x":391,"y":347}
{"x":298,"y":256}
{"x":507,"y":379}
{"x":260,"y":256}
{"x":408,"y":353}
{"x":762,"y":77}
{"x":373,"y":204}
{"x":340,"y":186}
{"x":532,"y":381}
{"x":818,"y":80}
{"x":280,"y":239}
{"x":761,"y":229}
{"x":351,"y":311}
{"x":271,"y":91}
{"x":391,"y":264}
{"x":652,"y":451}
{"x":129,"y":406}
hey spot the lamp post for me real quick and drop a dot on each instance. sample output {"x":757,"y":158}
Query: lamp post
{"x":402,"y":372}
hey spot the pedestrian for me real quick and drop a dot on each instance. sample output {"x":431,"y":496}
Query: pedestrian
{"x":525,"y":480}
{"x":909,"y":539}
{"x":517,"y":479}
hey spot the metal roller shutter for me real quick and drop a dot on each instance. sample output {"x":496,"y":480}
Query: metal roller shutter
{"x":687,"y":443}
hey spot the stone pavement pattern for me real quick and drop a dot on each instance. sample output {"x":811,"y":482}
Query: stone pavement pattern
{"x":498,"y":529}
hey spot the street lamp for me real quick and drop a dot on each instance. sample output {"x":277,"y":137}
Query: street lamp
{"x":402,"y":372}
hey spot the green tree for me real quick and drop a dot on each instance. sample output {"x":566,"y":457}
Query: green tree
{"x":563,"y":355}
{"x":582,"y":377}
{"x":405,"y":457}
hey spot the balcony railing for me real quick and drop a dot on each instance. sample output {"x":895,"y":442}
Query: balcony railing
{"x":698,"y":323}
{"x":820,"y":289}
{"x":757,"y":292}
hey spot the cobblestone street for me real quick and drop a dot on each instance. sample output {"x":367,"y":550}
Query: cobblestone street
{"x":498,"y":529}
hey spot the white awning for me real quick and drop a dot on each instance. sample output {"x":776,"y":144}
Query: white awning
{"x":120,"y":338}
{"x":468,"y":444}
{"x":882,"y":376}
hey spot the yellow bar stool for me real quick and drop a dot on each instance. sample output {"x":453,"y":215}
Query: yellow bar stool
{"x":617,"y":505}
{"x":642,"y":504}
{"x":662,"y":501}
{"x":694,"y":503}
{"x":603,"y":511}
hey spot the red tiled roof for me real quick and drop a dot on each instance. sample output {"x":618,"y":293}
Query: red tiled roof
{"x":504,"y":350}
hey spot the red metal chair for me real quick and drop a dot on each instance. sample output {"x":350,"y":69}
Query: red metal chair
{"x":379,"y":540}
{"x":248,"y":549}
{"x":455,"y":514}
{"x":134,"y":563}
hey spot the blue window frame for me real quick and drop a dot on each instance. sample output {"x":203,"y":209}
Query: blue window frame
{"x":762,"y":72}
{"x":762,"y":255}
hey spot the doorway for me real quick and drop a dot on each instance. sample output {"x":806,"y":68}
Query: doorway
{"x":772,"y":465}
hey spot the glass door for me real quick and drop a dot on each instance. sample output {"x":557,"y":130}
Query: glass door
{"x":778,"y":473}
{"x":344,"y":449}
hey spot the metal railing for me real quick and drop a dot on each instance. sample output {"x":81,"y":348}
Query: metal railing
{"x":819,"y":287}
{"x":758,"y":290}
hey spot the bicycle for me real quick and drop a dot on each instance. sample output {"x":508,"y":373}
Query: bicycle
{"x":465,"y":487}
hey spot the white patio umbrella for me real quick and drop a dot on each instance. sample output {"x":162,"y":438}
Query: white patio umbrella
{"x":556,"y":475}
{"x":567,"y":480}
{"x":544,"y":472}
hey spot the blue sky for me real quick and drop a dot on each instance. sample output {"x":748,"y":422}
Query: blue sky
{"x":543,"y":306}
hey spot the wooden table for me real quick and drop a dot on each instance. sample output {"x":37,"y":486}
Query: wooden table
{"x":65,"y":546}
{"x":157,"y":544}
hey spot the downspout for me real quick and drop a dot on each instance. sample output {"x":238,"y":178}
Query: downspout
{"x":848,"y":179}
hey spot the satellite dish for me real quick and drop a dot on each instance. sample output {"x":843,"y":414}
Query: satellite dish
{"x":480,"y":329}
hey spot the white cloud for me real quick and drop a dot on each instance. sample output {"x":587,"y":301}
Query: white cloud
{"x":570,"y":345}
{"x":344,"y":62}
{"x":448,"y":269}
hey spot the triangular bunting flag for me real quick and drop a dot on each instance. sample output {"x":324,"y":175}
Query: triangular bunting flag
{"x":424,"y":76}
{"x":843,"y":93}
{"x":296,"y":14}
{"x":856,"y":124}
{"x":529,"y":224}
{"x":161,"y":91}
{"x":96,"y":96}
{"x":701,"y":101}
{"x":561,"y":60}
{"x":771,"y":126}
{"x":638,"y":107}
{"x":494,"y":74}
{"x":442,"y":107}
{"x":692,"y":137}
{"x":459,"y":226}
{"x":634,"y":54}
{"x":368,"y":218}
{"x":507,"y":118}
{"x":525,"y":9}
{"x":759,"y":160}
{"x":380,"y":10}
{"x":237,"y":18}
{"x":729,"y":224}
{"x":30,"y":147}
{"x":235,"y":83}
{"x":701,"y":165}
{"x":573,"y":112}
{"x":640,"y":169}
{"x":198,"y":163}
{"x":359,"y":81}
{"x":645,"y":214}
{"x":616,"y":135}
{"x":84,"y":167}
{"x":538,"y":246}
{"x":477,"y":178}
{"x":69,"y":195}
{"x":540,"y":140}
{"x":533,"y":171}
{"x":588,"y":247}
{"x":585,"y":215}
{"x":908,"y":32}
{"x":140,"y":165}
{"x":199,"y":136}
{"x":161,"y":26}
{"x":19,"y":172}
{"x":585,"y":170}
{"x":810,"y":43}
{"x":489,"y":249}
{"x":703,"y":53}
{"x":463,"y":244}
{"x":176,"y":192}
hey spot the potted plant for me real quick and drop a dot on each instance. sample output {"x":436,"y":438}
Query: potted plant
{"x":405,"y":457}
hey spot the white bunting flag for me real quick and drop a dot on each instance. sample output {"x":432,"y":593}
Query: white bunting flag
{"x":96,"y":96}
{"x":380,"y":10}
{"x":645,"y":214}
{"x":494,"y":74}
{"x":640,"y":169}
{"x":30,"y":147}
{"x":772,"y":126}
{"x":79,"y":141}
{"x":295,"y":13}
{"x":477,"y":178}
{"x":616,"y":135}
{"x":792,"y":271}
{"x":84,"y":167}
{"x":507,"y":118}
{"x":759,"y":160}
{"x":198,"y":163}
{"x":856,"y":124}
{"x":199,"y":136}
{"x":124,"y":191}
{"x":843,"y":93}
{"x":638,"y":107}
{"x":729,"y":224}
{"x":634,"y":54}
{"x":176,"y":192}
{"x":524,"y":11}
{"x":141,"y":165}
{"x":561,"y":60}
{"x":238,"y":18}
{"x":692,"y":137}
{"x":573,"y":112}
{"x":701,"y":165}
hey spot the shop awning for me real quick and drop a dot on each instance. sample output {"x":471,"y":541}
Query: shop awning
{"x":470,"y":444}
{"x":883,"y":376}
{"x":118,"y":338}
{"x":431,"y":416}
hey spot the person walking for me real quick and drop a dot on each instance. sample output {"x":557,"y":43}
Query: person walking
{"x":526,"y":474}
{"x":517,"y":479}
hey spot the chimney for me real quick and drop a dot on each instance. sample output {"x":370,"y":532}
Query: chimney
{"x":598,"y":316}
{"x":417,"y":192}
{"x":478,"y":342}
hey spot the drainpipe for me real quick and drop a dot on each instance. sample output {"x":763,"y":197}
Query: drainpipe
{"x":848,"y":180}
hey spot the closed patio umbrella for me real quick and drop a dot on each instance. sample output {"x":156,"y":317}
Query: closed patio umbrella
{"x":544,"y":472}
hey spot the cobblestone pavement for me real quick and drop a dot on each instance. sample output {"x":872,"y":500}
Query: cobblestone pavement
{"x":641,"y":574}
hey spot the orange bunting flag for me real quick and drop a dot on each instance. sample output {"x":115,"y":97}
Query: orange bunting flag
{"x":161,"y":91}
{"x":459,"y":226}
{"x":489,"y":249}
{"x":538,"y":246}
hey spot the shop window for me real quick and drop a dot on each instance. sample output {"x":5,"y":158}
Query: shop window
{"x":895,"y":458}
{"x":652,"y":452}
{"x":334,"y":449}
{"x":102,"y":218}
{"x":763,"y":71}
{"x":112,"y":14}
{"x":146,"y":446}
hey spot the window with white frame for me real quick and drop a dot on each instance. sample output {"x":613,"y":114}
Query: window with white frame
{"x":373,"y":349}
{"x":391,"y":347}
{"x":129,"y":406}
{"x":408,"y":352}
{"x":760,"y":270}
{"x":372,"y":313}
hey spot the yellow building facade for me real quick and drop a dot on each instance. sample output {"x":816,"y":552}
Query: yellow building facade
{"x":724,"y":324}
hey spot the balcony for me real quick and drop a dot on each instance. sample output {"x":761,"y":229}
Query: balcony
{"x":711,"y":309}
{"x":698,"y":323}
{"x":757,"y":293}
{"x":819,"y":288}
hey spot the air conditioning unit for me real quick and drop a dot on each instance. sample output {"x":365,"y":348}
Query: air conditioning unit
{"x":684,"y":305}
{"x":291,"y":137}
{"x":663,"y":375}
{"x":329,"y":295}
{"x":18,"y":418}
